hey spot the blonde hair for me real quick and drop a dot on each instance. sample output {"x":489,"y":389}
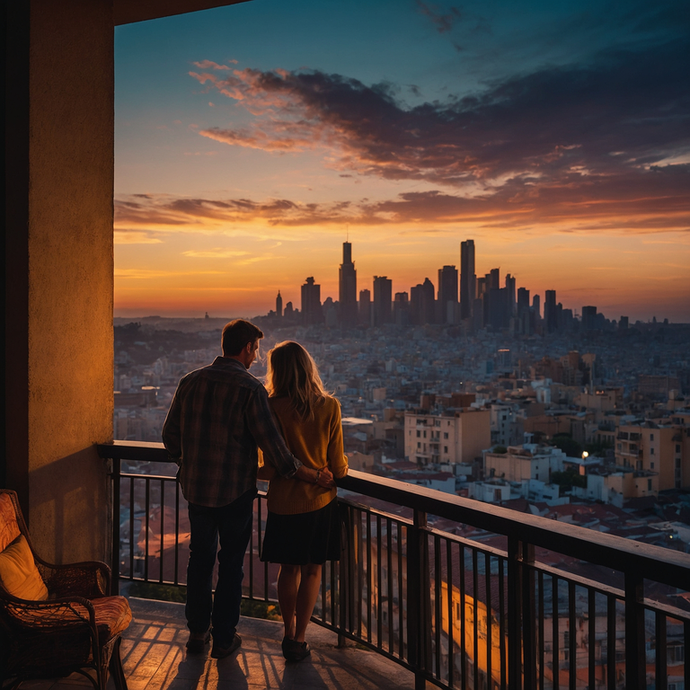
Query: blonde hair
{"x":292,"y":373}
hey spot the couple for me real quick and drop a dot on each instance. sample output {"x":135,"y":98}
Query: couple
{"x":219,"y":416}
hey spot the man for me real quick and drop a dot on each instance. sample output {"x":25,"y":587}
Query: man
{"x":218,"y":416}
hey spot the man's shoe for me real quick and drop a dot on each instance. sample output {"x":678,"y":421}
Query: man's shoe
{"x":295,"y":651}
{"x":197,"y":642}
{"x":220,"y":651}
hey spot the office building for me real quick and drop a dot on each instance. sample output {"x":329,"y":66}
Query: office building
{"x":347,"y":294}
{"x":589,"y":318}
{"x":468,"y":279}
{"x":383,"y":297}
{"x":401,"y":309}
{"x":311,"y":303}
{"x":365,"y":307}
{"x":550,"y":311}
{"x":279,"y":305}
{"x":423,"y":303}
{"x":447,"y":294}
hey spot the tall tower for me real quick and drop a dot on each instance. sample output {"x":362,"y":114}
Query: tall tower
{"x":468,"y":278}
{"x":510,"y":286}
{"x":383,"y":301}
{"x":365,"y":307}
{"x":279,"y":305}
{"x":348,"y":288}
{"x":550,"y":313}
{"x":311,"y":303}
{"x":447,"y":293}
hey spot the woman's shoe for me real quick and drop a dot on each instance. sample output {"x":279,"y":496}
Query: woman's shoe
{"x":295,"y":651}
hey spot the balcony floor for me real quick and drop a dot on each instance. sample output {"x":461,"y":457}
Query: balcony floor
{"x":154,"y":658}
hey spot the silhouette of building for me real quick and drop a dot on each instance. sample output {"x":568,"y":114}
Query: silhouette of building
{"x":468,"y":279}
{"x":279,"y":305}
{"x":510,"y":287}
{"x":550,"y":311}
{"x":383,"y":297}
{"x":365,"y":307}
{"x":422,"y":303}
{"x":447,"y":294}
{"x":589,"y":318}
{"x":311,"y":303}
{"x":494,"y":279}
{"x":536,"y":307}
{"x":401,"y":309}
{"x":347,"y":294}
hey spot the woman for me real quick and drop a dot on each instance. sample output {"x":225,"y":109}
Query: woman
{"x":302,"y":529}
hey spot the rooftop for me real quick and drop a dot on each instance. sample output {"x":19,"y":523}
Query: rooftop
{"x":154,"y":658}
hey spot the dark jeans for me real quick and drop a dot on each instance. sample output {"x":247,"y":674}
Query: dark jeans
{"x":233,"y":524}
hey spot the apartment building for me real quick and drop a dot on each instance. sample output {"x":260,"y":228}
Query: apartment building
{"x":450,"y":437}
{"x":660,"y":449}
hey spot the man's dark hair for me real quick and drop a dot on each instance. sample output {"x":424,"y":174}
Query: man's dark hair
{"x":237,"y":334}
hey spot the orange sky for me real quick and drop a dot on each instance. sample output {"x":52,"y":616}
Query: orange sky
{"x":244,"y":158}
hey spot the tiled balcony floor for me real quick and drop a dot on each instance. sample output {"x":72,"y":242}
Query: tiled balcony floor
{"x":154,"y":658}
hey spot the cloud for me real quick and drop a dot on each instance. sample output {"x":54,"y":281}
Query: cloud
{"x":443,"y":22}
{"x":209,"y":64}
{"x":127,"y":236}
{"x":570,"y":137}
{"x":218,"y":253}
{"x":148,"y":274}
{"x":624,"y":204}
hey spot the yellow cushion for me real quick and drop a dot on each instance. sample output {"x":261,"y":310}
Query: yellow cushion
{"x":18,"y":573}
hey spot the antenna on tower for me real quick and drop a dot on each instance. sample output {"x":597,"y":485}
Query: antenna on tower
{"x":348,"y":233}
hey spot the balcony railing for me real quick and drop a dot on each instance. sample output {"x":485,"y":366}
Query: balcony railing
{"x":592,"y":611}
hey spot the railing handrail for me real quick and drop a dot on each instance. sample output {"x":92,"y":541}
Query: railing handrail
{"x":645,"y":560}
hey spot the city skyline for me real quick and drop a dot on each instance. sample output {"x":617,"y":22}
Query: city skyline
{"x":458,"y":297}
{"x":251,"y":140}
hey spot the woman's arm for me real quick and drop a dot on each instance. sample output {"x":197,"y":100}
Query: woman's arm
{"x":337,"y":460}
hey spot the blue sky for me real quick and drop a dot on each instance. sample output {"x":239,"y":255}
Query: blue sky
{"x":251,"y":139}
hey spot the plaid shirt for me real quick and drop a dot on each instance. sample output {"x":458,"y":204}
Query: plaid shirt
{"x":218,"y":416}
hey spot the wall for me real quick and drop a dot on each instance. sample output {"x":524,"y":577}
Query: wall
{"x":59,"y":371}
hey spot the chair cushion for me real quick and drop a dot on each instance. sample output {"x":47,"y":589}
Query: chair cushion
{"x":113,"y":616}
{"x":9,"y":528}
{"x":19,"y":575}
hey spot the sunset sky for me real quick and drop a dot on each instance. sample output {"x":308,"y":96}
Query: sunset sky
{"x":252,"y":140}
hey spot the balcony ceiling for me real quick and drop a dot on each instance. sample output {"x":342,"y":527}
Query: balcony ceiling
{"x":128,"y":11}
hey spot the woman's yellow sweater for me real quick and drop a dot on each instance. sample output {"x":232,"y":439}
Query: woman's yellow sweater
{"x":317,"y":443}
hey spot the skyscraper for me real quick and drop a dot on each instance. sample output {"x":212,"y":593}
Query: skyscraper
{"x":468,"y":279}
{"x":550,"y":311}
{"x":348,"y":288}
{"x":279,"y":305}
{"x":422,"y":303}
{"x":510,"y":286}
{"x":311,"y":303}
{"x":494,"y":278}
{"x":365,"y":307}
{"x":589,"y":318}
{"x":447,"y":293}
{"x":401,"y":309}
{"x":383,"y":298}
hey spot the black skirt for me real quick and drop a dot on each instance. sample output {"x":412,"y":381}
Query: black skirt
{"x":304,"y":537}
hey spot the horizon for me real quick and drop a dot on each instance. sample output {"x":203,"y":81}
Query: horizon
{"x":252,"y":140}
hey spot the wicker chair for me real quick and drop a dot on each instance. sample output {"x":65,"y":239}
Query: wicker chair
{"x":77,"y":629}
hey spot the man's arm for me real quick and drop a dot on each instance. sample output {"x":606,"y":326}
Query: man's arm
{"x":263,"y":427}
{"x":171,"y":430}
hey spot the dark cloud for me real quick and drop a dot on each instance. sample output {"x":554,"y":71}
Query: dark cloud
{"x":648,"y":202}
{"x":443,"y":21}
{"x":603,"y":139}
{"x":623,"y":113}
